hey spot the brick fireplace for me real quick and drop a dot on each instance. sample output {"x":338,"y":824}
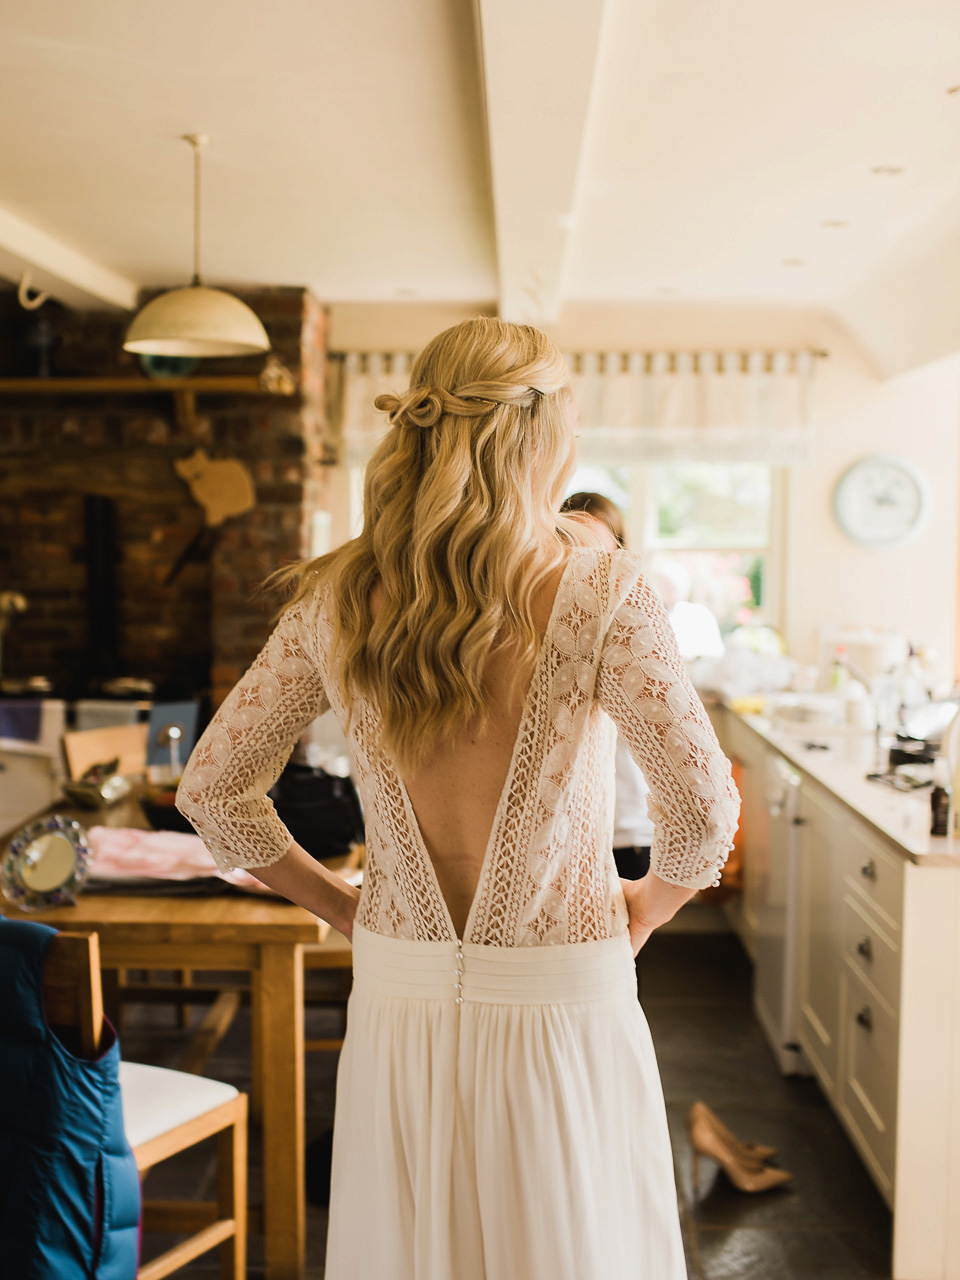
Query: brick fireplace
{"x":93,"y":516}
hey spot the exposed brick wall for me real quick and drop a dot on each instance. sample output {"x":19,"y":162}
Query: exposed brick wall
{"x":201,"y":631}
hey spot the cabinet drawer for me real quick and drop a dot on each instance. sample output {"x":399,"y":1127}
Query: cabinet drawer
{"x":868,"y":1086}
{"x":875,"y":873}
{"x":870,"y":953}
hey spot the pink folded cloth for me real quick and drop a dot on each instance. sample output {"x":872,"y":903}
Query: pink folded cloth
{"x":125,"y":853}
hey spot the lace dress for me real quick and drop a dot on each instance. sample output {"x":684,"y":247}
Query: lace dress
{"x":499,"y":1110}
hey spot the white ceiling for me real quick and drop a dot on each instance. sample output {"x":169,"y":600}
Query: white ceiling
{"x":524,"y":151}
{"x":727,"y":134}
{"x":346,"y":144}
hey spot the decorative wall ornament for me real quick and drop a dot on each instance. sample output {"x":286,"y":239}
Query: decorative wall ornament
{"x":639,"y":406}
{"x":222,"y":486}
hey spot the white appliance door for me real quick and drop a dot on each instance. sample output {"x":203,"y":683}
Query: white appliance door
{"x":31,"y":768}
{"x":774,"y":989}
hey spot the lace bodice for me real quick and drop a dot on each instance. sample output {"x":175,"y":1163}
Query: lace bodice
{"x":608,"y":662}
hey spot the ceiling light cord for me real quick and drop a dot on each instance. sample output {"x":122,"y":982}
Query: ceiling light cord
{"x":196,"y":320}
{"x":197,"y":141}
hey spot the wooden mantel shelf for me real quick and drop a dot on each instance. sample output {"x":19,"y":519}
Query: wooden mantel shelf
{"x":224,"y":385}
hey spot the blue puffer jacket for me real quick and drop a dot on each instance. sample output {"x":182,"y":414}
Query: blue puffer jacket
{"x":69,"y":1190}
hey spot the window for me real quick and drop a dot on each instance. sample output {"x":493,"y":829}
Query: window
{"x":706,"y":530}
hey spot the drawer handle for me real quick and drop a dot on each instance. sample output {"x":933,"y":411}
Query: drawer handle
{"x":865,"y":949}
{"x":869,"y":870}
{"x":865,"y":1018}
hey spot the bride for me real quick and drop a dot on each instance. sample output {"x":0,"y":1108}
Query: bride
{"x":499,"y":1109}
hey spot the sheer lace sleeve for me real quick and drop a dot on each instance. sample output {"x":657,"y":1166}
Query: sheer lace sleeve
{"x":224,"y":787}
{"x":643,"y":686}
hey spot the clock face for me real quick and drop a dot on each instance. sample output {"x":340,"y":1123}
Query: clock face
{"x":881,"y":502}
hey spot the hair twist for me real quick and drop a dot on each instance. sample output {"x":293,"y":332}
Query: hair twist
{"x":417,"y":407}
{"x":424,"y":406}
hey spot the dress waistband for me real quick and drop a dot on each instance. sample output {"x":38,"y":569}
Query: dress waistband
{"x":472,"y":974}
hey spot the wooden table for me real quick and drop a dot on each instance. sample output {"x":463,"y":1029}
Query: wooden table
{"x":233,"y":932}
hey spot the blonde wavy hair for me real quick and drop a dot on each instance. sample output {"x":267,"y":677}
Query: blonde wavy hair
{"x":461,"y":526}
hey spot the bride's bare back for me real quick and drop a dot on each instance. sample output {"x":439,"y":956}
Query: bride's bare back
{"x":455,"y":794}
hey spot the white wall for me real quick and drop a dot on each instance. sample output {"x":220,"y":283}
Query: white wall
{"x":829,"y":579}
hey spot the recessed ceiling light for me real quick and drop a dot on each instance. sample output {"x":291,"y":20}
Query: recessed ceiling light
{"x":887,"y":170}
{"x":793,"y":262}
{"x":834,"y":223}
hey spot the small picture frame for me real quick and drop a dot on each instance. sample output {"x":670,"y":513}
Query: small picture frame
{"x":171,"y":734}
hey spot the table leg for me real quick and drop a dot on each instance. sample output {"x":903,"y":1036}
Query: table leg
{"x":256,"y":1074}
{"x":110,"y":982}
{"x":279,"y":999}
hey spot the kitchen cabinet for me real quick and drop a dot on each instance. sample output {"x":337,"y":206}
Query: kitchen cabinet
{"x":851,"y":892}
{"x":877,"y":992}
{"x":819,"y":858}
{"x":748,"y":756}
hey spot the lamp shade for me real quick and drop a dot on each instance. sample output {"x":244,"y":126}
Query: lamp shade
{"x":196,"y":321}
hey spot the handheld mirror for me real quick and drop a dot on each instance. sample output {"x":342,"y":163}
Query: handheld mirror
{"x":45,"y":864}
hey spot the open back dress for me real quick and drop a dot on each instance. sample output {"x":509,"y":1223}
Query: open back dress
{"x":499,"y":1112}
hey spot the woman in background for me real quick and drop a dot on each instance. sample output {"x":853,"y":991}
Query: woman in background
{"x":499,"y":1110}
{"x":632,"y":828}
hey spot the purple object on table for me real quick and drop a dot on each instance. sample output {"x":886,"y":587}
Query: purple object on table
{"x":21,"y":720}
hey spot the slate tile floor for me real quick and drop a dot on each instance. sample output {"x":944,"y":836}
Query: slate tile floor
{"x":828,"y":1224}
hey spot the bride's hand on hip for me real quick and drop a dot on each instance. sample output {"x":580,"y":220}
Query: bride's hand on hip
{"x":639,"y":928}
{"x":651,"y":902}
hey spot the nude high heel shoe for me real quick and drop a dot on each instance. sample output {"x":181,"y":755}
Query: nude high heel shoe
{"x":749,"y":1150}
{"x":746,"y":1174}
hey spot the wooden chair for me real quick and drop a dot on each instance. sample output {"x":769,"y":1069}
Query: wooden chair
{"x":333,"y":955}
{"x":164,"y":1112}
{"x":126,"y":742}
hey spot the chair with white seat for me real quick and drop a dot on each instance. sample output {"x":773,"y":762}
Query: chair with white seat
{"x":164,"y":1112}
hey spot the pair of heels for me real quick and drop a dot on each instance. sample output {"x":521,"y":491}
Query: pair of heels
{"x":744,"y":1163}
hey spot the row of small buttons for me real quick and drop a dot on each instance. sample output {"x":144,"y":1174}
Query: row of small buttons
{"x":458,"y":972}
{"x":721,"y":865}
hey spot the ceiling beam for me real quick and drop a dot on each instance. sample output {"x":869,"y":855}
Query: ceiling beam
{"x":57,"y":269}
{"x":904,"y":310}
{"x":538,"y":60}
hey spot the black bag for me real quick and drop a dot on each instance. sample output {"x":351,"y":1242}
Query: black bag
{"x":321,"y":811}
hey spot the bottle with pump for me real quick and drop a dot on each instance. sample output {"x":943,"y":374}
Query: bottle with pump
{"x":913,"y":684}
{"x":940,"y":798}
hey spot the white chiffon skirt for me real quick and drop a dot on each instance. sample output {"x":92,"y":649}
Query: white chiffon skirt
{"x":499,"y":1117}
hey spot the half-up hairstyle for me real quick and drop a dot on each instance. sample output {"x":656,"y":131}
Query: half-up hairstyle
{"x":461,"y":527}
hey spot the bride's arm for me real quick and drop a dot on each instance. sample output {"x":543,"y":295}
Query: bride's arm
{"x":643,"y":685}
{"x":309,"y":884}
{"x":223,"y":791}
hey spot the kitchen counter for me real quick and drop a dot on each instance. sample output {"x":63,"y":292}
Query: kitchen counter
{"x":850,"y":910}
{"x":901,"y":817}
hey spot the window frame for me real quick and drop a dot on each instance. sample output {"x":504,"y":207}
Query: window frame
{"x":641,"y":525}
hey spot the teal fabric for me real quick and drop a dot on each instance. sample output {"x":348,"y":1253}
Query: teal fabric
{"x":69,"y":1189}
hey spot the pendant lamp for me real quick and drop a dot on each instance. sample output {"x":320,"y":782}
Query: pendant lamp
{"x":197,"y":320}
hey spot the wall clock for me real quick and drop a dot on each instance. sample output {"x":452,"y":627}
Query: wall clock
{"x":881,"y":502}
